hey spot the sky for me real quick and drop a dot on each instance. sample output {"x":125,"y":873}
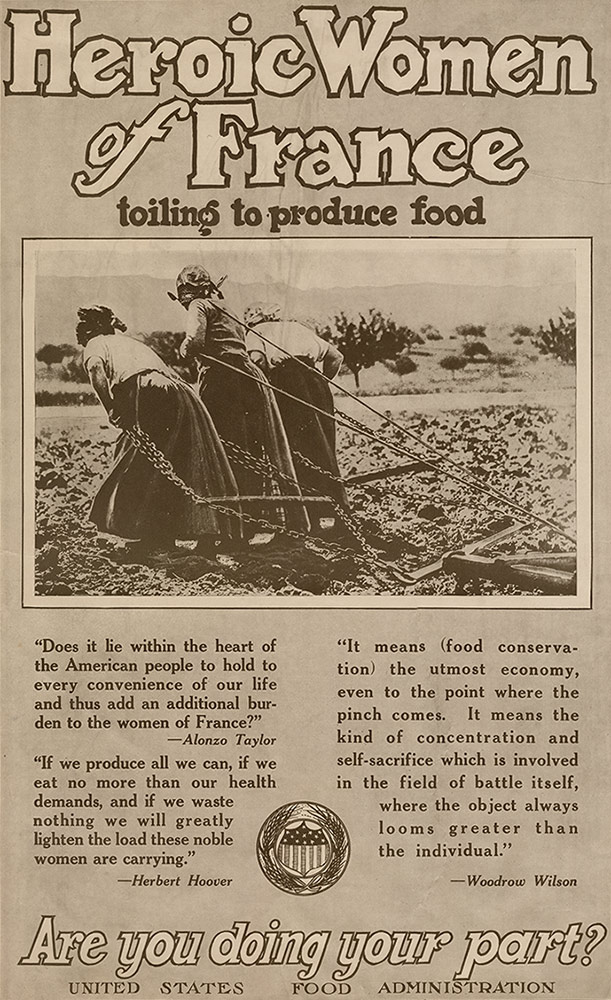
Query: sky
{"x":321,"y":263}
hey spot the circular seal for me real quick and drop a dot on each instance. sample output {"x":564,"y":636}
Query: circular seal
{"x":303,"y":848}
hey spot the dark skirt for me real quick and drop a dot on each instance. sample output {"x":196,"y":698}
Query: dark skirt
{"x":310,"y":433}
{"x":136,"y":500}
{"x":245,"y":413}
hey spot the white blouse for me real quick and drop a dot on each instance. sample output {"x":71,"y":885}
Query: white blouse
{"x":122,"y":357}
{"x":287,"y":338}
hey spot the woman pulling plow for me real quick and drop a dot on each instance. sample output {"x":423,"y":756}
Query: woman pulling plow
{"x":140,"y":393}
{"x":291,"y":356}
{"x":241,"y":403}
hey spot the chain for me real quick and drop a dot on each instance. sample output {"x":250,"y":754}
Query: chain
{"x":149,"y":449}
{"x":344,"y":515}
{"x":265,"y":467}
{"x":397,"y":490}
{"x":463,"y":476}
{"x":352,"y":420}
{"x":304,"y":460}
{"x":358,"y":426}
{"x":472,"y":482}
{"x":259,"y":465}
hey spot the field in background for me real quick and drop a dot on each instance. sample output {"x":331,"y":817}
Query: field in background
{"x":524,"y":370}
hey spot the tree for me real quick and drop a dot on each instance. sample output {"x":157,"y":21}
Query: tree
{"x":74,"y":371}
{"x":165,"y":343}
{"x":368,"y":339}
{"x":50,"y":354}
{"x":469,"y":330}
{"x":559,"y":339}
{"x":68,"y":350}
{"x":453,"y":363}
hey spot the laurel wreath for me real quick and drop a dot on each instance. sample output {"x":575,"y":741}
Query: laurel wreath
{"x":335,"y":831}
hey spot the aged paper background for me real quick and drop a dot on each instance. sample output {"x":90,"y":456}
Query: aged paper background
{"x":488,"y":907}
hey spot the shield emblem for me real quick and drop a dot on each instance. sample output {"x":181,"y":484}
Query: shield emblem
{"x":303,"y":848}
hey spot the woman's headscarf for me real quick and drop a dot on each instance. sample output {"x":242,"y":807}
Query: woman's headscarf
{"x":262,"y":312}
{"x":194,"y":282}
{"x":95,"y":321}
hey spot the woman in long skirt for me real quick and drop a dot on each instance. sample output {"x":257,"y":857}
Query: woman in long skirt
{"x":239,"y":400}
{"x":291,"y":355}
{"x":136,"y":500}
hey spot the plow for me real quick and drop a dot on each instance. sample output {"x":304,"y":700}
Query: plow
{"x":551,"y":573}
{"x":546,"y":572}
{"x":472,"y":564}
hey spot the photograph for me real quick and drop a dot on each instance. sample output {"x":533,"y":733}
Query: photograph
{"x":305,"y":500}
{"x":305,"y":420}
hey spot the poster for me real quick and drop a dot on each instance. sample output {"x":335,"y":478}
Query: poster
{"x":305,"y":495}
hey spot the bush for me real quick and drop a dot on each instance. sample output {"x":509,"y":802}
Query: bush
{"x":453,"y":363}
{"x":475,"y":349}
{"x":520,"y":333}
{"x":404,"y":364}
{"x":470,"y":330}
{"x":46,"y":398}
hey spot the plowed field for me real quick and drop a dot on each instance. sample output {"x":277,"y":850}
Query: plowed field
{"x":527,"y":452}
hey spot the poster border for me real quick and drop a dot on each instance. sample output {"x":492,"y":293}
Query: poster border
{"x":581,"y":601}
